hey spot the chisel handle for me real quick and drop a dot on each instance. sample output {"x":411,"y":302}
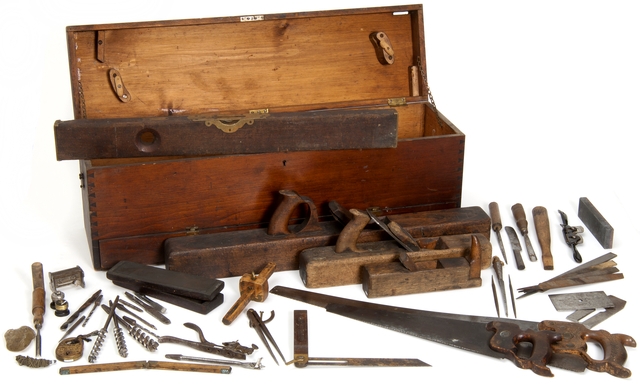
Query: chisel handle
{"x":521,"y":218}
{"x":496,"y":221}
{"x":38,"y":298}
{"x":541,"y":223}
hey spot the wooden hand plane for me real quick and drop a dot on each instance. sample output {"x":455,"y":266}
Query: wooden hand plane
{"x":235,"y":253}
{"x":386,"y":268}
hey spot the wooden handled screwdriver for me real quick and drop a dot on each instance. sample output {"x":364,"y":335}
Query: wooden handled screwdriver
{"x":496,"y":225}
{"x":521,"y":223}
{"x":37,"y":303}
{"x":541,"y":222}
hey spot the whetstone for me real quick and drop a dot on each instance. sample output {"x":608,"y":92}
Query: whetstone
{"x":596,"y":223}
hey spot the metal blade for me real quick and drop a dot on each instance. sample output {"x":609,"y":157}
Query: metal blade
{"x":515,"y":246}
{"x":501,"y":245}
{"x":470,"y":336}
{"x":366,"y":362}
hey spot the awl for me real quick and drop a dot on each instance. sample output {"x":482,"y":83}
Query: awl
{"x":521,"y":223}
{"x":496,"y":225}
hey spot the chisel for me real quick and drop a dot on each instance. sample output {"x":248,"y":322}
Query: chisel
{"x":541,"y":223}
{"x":496,"y":225}
{"x":521,"y":222}
{"x":515,"y":245}
{"x":37,"y":308}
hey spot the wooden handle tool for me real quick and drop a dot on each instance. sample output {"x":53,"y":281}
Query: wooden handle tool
{"x":252,"y":288}
{"x":37,"y":304}
{"x":521,"y":223}
{"x":541,"y":222}
{"x":496,"y":225}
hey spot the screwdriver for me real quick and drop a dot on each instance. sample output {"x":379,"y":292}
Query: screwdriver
{"x":37,"y":307}
{"x":496,"y":221}
{"x":521,"y":223}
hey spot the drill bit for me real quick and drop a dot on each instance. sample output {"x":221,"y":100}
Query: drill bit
{"x":119,"y":336}
{"x":37,"y":307}
{"x":102,"y":333}
{"x":96,"y":303}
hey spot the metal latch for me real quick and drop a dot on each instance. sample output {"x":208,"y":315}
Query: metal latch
{"x":397,"y":102}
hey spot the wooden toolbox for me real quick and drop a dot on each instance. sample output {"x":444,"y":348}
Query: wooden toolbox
{"x":362,"y":62}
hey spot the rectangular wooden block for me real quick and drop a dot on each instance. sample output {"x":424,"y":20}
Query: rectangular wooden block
{"x":234,"y":253}
{"x":211,"y":135}
{"x":324,"y":267}
{"x":393,"y":279}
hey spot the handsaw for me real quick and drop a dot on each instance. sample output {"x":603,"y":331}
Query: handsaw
{"x":528,"y":344}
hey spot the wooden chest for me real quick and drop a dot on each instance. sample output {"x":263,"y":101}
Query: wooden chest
{"x":370,"y":59}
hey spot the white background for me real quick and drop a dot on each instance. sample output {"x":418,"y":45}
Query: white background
{"x":545,"y":91}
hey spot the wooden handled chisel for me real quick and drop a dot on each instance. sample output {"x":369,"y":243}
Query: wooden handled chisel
{"x":496,"y":225}
{"x":541,"y":223}
{"x":521,"y":223}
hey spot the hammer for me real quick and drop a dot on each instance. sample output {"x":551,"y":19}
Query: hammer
{"x":252,"y":288}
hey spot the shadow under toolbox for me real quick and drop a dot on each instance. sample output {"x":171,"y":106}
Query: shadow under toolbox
{"x":226,"y":69}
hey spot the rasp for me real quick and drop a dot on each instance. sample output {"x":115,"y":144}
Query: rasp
{"x":529,"y":345}
{"x":515,"y":246}
{"x":496,"y":225}
{"x":523,"y":226}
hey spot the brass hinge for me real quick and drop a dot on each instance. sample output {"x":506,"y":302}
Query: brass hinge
{"x":397,"y":102}
{"x":264,"y":110}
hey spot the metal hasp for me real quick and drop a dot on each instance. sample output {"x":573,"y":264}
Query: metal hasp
{"x":597,"y":270}
{"x":231,"y":350}
{"x":547,"y":343}
{"x":596,"y":223}
{"x":301,"y":357}
{"x":256,"y":322}
{"x":571,"y":236}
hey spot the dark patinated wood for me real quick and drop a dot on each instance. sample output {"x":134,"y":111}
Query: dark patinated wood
{"x":211,"y":135}
{"x":235,"y":253}
{"x":450,"y":271}
{"x":299,"y":62}
{"x":324,"y":267}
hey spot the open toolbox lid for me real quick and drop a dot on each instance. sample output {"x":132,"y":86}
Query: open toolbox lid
{"x":279,"y":62}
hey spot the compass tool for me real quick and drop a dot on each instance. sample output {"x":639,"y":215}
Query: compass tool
{"x":597,"y":270}
{"x":571,"y":236}
{"x":515,"y":246}
{"x":496,"y":225}
{"x":523,"y":226}
{"x":528,"y":344}
{"x":256,"y":322}
{"x":228,"y":350}
{"x":301,"y":357}
{"x":252,"y":288}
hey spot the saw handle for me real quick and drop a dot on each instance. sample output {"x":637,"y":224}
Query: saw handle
{"x":574,"y":342}
{"x":279,"y":223}
{"x":507,"y":336}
